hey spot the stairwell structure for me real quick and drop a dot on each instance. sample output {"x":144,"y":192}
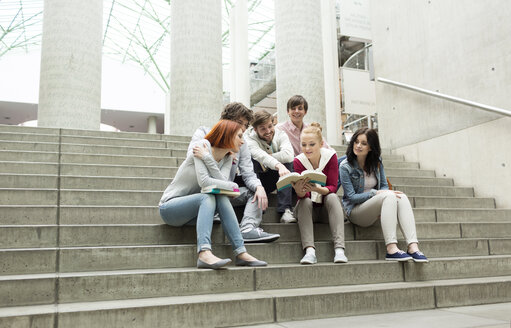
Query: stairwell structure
{"x":82,"y":244}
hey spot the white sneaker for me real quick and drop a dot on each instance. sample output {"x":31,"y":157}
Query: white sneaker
{"x":309,"y":258}
{"x":340,"y":257}
{"x":287,"y":217}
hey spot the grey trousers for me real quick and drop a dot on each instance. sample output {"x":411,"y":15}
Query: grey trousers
{"x":330,"y":212}
{"x":391,"y":210}
{"x":253,"y":215}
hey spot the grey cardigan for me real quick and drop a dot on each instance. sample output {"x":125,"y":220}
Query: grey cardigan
{"x":193,"y":175}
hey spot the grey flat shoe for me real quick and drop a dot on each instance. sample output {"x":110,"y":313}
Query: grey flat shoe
{"x":255,"y":263}
{"x":215,"y":266}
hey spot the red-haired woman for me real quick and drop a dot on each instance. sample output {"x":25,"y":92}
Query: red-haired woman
{"x":183,"y":203}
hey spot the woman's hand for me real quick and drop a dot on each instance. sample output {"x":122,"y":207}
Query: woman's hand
{"x":301,"y":187}
{"x":397,"y":193}
{"x":200,"y":151}
{"x":319,"y":189}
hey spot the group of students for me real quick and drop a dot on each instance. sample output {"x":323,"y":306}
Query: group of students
{"x":219,"y":156}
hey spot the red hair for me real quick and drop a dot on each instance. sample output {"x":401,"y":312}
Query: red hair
{"x":223,"y":133}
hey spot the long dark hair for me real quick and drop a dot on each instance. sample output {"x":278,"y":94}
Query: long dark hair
{"x":373,"y":157}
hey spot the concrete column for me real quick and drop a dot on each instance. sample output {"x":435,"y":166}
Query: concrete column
{"x":166,"y":117}
{"x":331,"y":71}
{"x":195,"y":65}
{"x":299,"y":57}
{"x":151,"y":124}
{"x":70,"y":82}
{"x":238,"y":35}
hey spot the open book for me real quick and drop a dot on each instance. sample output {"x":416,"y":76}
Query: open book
{"x":314,"y":176}
{"x":215,"y":190}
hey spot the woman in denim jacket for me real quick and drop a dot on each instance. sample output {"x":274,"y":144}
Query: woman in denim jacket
{"x":367,"y":197}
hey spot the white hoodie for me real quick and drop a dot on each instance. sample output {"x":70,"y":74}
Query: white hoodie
{"x":280,"y":150}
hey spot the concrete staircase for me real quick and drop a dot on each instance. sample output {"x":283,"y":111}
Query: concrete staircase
{"x":82,"y":245}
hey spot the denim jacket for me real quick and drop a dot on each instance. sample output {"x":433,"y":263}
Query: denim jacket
{"x":352,"y":181}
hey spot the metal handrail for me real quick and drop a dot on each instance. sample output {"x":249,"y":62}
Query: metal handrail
{"x":356,"y":53}
{"x":356,"y":121}
{"x":447,"y":97}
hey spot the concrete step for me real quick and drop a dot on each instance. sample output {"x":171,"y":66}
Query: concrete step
{"x":400,"y":165}
{"x":28,"y":129}
{"x":28,"y":236}
{"x":118,"y":170}
{"x":126,"y":214}
{"x":430,"y":201}
{"x":473,"y":215}
{"x":12,"y":136}
{"x":420,"y":181}
{"x":120,"y":159}
{"x":257,"y":307}
{"x":23,"y":236}
{"x":118,"y":150}
{"x":116,"y":183}
{"x":409,"y":172}
{"x":28,"y":168}
{"x":271,"y":215}
{"x":123,"y":214}
{"x":124,"y":142}
{"x":81,"y":259}
{"x":109,"y":197}
{"x":106,"y":141}
{"x":28,"y":180}
{"x":12,"y":196}
{"x":118,"y":285}
{"x":453,"y":202}
{"x":29,"y":146}
{"x":28,"y":156}
{"x":290,"y":232}
{"x":111,"y":285}
{"x":125,"y":135}
{"x":435,"y":191}
{"x":28,"y":214}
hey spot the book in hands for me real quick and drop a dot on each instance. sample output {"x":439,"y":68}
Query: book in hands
{"x":220,"y":191}
{"x":314,"y":176}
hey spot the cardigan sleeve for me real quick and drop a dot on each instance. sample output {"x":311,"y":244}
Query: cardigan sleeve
{"x":332,"y":174}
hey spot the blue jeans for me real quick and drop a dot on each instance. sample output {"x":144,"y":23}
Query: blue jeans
{"x":199,"y":209}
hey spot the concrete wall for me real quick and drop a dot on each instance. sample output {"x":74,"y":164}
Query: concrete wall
{"x":460,"y":48}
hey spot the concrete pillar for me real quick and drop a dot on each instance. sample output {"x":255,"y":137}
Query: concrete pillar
{"x":151,"y":124}
{"x":166,"y":117}
{"x":299,"y":57}
{"x":70,"y":81}
{"x":331,"y":71}
{"x":238,"y":36}
{"x":195,"y":65}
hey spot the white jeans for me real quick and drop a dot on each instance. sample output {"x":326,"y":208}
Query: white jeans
{"x":390,"y":209}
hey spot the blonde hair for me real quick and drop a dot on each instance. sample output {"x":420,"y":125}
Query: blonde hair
{"x":315,"y":129}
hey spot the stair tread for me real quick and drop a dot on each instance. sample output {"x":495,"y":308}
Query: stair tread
{"x":237,"y":296}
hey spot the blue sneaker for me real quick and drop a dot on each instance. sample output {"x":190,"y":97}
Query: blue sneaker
{"x":418,"y":257}
{"x":398,"y":256}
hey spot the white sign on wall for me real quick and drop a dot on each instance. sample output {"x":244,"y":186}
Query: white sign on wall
{"x":358,"y":92}
{"x":355,"y":19}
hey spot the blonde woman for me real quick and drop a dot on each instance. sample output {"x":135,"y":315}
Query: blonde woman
{"x":316,"y":202}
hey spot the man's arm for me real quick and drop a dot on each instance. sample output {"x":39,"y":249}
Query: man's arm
{"x":198,"y":135}
{"x":247,"y":168}
{"x":285,"y":153}
{"x":261,"y":155}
